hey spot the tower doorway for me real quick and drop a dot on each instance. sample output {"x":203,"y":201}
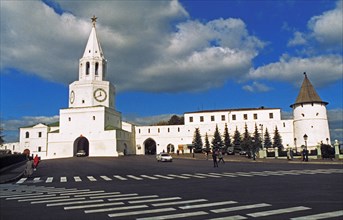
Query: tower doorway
{"x":150,"y":146}
{"x":81,"y":144}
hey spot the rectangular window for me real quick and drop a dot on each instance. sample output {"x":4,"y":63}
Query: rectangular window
{"x":190,"y":119}
{"x":39,"y":149}
{"x":223,"y":117}
{"x":212,"y":118}
{"x":39,"y":134}
{"x":233,"y":117}
{"x":245,"y":116}
{"x":271,"y":115}
{"x":255,"y":116}
{"x":201,"y":118}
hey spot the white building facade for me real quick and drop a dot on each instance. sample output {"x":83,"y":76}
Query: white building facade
{"x":92,"y":123}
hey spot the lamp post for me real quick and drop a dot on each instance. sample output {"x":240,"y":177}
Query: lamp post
{"x":306,"y":152}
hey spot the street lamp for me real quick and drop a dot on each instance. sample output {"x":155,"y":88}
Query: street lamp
{"x":306,"y":152}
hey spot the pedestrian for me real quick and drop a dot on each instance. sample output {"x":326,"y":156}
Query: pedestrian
{"x":29,"y":168}
{"x":215,"y":162}
{"x":35,"y":162}
{"x":220,"y":157}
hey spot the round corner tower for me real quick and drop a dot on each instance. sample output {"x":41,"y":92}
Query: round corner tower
{"x":310,"y":117}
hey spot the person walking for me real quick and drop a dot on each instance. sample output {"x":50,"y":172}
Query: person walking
{"x":220,"y":157}
{"x":29,"y":168}
{"x":214,"y":156}
{"x":35,"y":162}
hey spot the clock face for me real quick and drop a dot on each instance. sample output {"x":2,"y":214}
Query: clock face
{"x":72,"y":97}
{"x":100,"y":95}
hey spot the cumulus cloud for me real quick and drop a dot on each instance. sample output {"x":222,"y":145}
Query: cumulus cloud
{"x":298,"y":39}
{"x":327,"y":28}
{"x":11,"y":126}
{"x":256,"y":87}
{"x":322,"y":69}
{"x":149,"y":45}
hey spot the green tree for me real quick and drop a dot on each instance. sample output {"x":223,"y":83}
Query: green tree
{"x":176,"y":120}
{"x":246,"y":141}
{"x":237,"y":140}
{"x":267,"y":140}
{"x":227,"y":140}
{"x":277,"y":141}
{"x":257,"y":142}
{"x":207,"y":144}
{"x":197,"y":141}
{"x":217,"y":141}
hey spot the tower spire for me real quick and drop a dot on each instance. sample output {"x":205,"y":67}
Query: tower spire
{"x":307,"y":93}
{"x":94,"y":20}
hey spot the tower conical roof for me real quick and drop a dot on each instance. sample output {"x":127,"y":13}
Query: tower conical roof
{"x":307,"y":94}
{"x":93,"y":48}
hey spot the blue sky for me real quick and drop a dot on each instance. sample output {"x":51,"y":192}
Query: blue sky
{"x":171,"y":57}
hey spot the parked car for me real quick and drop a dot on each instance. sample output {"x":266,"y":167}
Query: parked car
{"x":81,"y":153}
{"x":164,"y":157}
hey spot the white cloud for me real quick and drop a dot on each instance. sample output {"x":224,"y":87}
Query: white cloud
{"x":298,"y":39}
{"x":256,"y":87}
{"x":327,"y":28}
{"x":149,"y":45}
{"x":323,"y":70}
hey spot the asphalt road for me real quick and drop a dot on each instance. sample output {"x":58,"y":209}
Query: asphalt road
{"x":139,"y":187}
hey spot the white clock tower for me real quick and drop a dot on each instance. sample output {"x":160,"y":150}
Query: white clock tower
{"x":91,"y":123}
{"x":90,"y":89}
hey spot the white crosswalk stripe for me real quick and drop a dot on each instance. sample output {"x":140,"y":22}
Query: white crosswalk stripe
{"x":265,"y":173}
{"x":93,"y":206}
{"x":118,"y":205}
{"x":321,"y":216}
{"x":278,"y":211}
{"x":173,"y":216}
{"x":134,"y":177}
{"x":116,"y":208}
{"x":141,"y":212}
{"x":149,"y":177}
{"x":119,"y":177}
{"x":49,"y":180}
{"x":243,"y":207}
{"x":91,"y":178}
{"x":207,"y":205}
{"x":164,"y":177}
{"x":77,"y":179}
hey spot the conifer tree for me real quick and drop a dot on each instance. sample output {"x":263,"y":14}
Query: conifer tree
{"x":207,"y":144}
{"x":257,"y":143}
{"x":277,"y":141}
{"x":246,"y":142}
{"x":197,"y":141}
{"x":227,"y":140}
{"x":267,"y":140}
{"x":217,"y":141}
{"x":237,"y":140}
{"x":1,"y":137}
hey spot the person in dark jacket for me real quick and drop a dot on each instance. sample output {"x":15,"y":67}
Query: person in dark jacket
{"x":214,"y":156}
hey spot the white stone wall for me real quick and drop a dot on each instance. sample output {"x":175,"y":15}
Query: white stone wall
{"x":36,"y":141}
{"x":183,"y":134}
{"x":311,"y":119}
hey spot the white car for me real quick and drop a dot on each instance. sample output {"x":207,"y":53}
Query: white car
{"x":164,"y":157}
{"x":81,"y":153}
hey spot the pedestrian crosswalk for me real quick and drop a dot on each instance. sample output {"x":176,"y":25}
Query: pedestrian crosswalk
{"x":153,"y":207}
{"x":184,"y":176}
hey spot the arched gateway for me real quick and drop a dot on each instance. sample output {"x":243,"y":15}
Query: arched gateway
{"x":81,"y":144}
{"x":150,"y":146}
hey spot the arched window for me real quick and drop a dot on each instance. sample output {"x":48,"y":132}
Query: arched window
{"x":96,"y":68}
{"x":27,"y":134}
{"x":87,"y":68}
